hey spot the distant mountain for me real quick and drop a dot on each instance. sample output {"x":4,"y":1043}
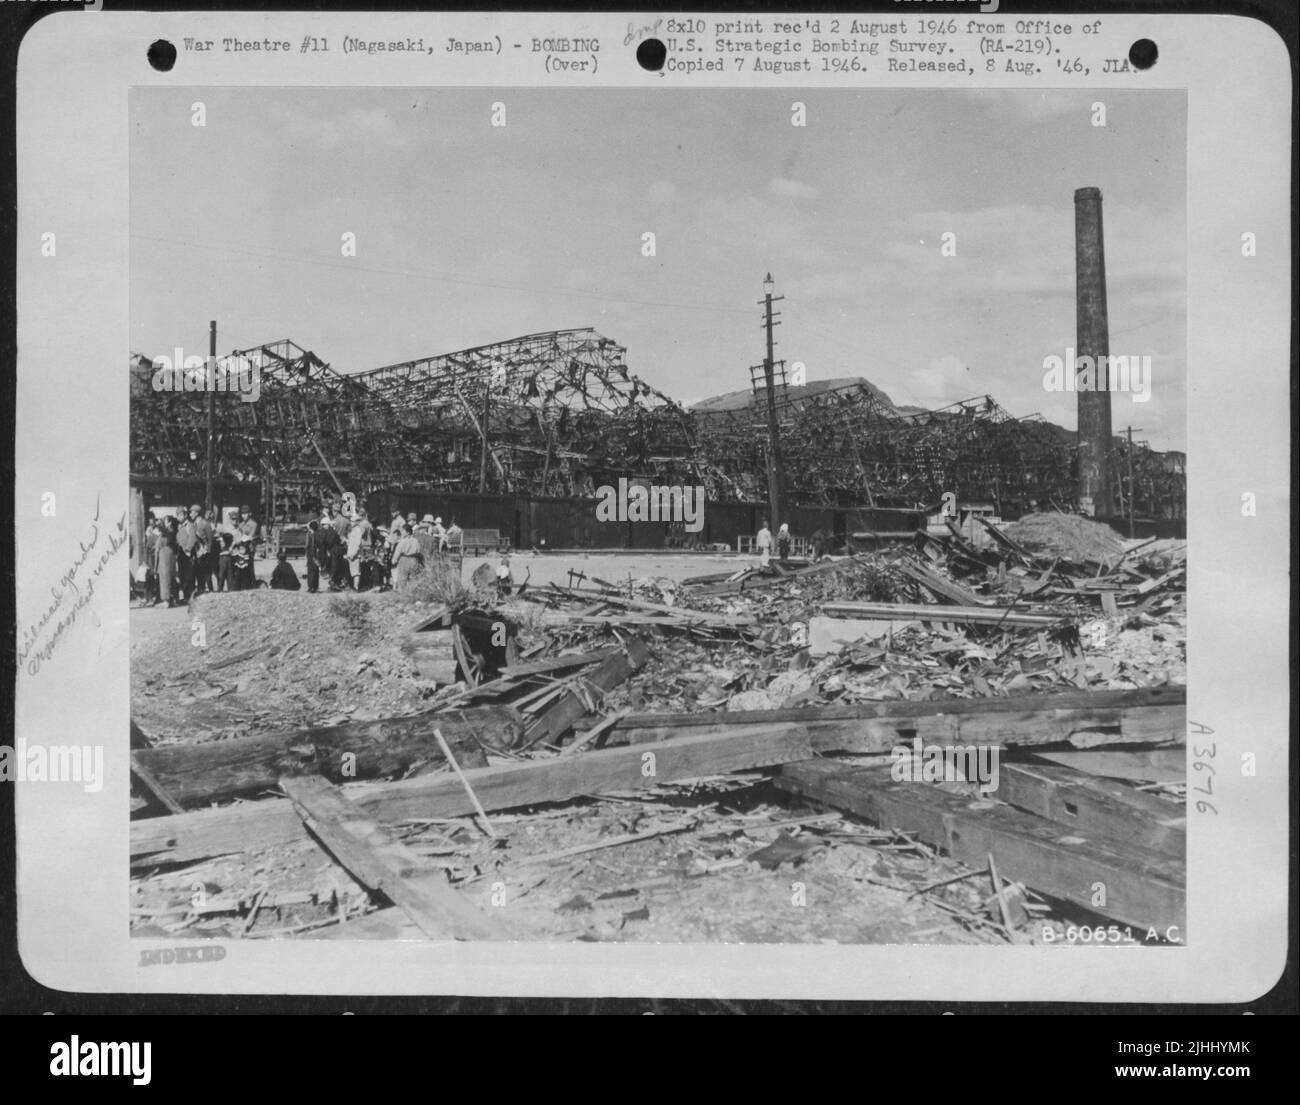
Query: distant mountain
{"x":741,"y":400}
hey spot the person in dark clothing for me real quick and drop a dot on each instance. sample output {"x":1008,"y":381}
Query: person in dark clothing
{"x":200,"y":556}
{"x":313,"y":566}
{"x":168,"y":553}
{"x":284,"y":578}
{"x":241,"y":564}
{"x":224,"y":578}
{"x":329,"y":546}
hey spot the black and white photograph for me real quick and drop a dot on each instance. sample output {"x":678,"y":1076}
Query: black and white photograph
{"x":728,"y":508}
{"x":649,"y":519}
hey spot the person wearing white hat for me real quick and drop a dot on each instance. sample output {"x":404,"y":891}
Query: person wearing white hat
{"x":439,"y":535}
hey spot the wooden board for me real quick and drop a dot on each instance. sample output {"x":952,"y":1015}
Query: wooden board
{"x":558,"y":663}
{"x":677,"y":613}
{"x":387,"y":866}
{"x":1095,"y":807}
{"x":184,"y":838}
{"x":972,"y":615}
{"x":943,"y":589}
{"x":558,"y":718}
{"x":210,"y":771}
{"x":1142,"y":888}
{"x":1144,"y":765}
{"x":1142,"y":716}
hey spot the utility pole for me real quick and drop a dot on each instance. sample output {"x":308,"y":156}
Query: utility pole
{"x":212,"y":400}
{"x":483,"y":452}
{"x":775,"y":472}
{"x":1132,"y":490}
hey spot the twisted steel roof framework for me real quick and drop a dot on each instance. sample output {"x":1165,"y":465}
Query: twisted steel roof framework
{"x":564,"y":415}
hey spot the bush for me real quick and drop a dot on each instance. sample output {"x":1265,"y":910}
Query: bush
{"x":438,"y":582}
{"x":355,"y":614}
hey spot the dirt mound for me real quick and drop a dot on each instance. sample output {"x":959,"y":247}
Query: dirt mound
{"x":1068,"y":536}
{"x":279,"y":659}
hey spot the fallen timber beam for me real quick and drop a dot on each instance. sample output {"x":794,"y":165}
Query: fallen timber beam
{"x":943,"y":589}
{"x":1147,"y":715}
{"x":387,"y":866}
{"x":757,"y":579}
{"x":211,"y":771}
{"x":678,"y":613}
{"x":1142,"y":887}
{"x":1006,"y":542}
{"x":969,"y":615}
{"x":184,"y":838}
{"x":1095,"y":807}
{"x":559,"y":718}
{"x":1147,"y":765}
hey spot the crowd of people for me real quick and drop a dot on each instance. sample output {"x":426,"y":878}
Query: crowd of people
{"x":192,"y":551}
{"x":189,"y":553}
{"x":346,"y":551}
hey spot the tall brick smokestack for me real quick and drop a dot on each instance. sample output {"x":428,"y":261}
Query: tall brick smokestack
{"x":1093,"y":341}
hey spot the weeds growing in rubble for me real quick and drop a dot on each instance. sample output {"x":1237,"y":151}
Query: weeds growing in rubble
{"x":355,"y":614}
{"x":438,"y":583}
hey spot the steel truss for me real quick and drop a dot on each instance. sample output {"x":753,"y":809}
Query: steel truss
{"x":562,"y":415}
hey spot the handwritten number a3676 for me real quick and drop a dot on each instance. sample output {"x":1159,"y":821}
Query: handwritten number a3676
{"x":1207,"y":773}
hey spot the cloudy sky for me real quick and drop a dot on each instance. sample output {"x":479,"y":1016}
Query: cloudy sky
{"x":468,"y":234}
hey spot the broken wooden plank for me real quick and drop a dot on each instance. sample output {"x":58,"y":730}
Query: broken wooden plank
{"x":1153,"y":584}
{"x":1024,"y":729}
{"x":438,"y":619}
{"x":209,"y":771}
{"x":981,"y":615}
{"x":730,"y":621}
{"x":582,"y":740}
{"x":756,"y":577}
{"x":558,"y":719}
{"x":967,"y":549}
{"x":147,"y":780}
{"x":943,"y":589}
{"x":183,"y":838}
{"x":1095,"y":807}
{"x":1141,"y":887}
{"x":558,"y":663}
{"x":1005,"y":541}
{"x":387,"y":866}
{"x":1146,"y":715}
{"x":1146,"y":765}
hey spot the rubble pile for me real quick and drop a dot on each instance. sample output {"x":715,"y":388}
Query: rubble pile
{"x":774,"y":701}
{"x":1068,"y":536}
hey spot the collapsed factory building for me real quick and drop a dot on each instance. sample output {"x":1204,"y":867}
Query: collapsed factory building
{"x":520,"y":436}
